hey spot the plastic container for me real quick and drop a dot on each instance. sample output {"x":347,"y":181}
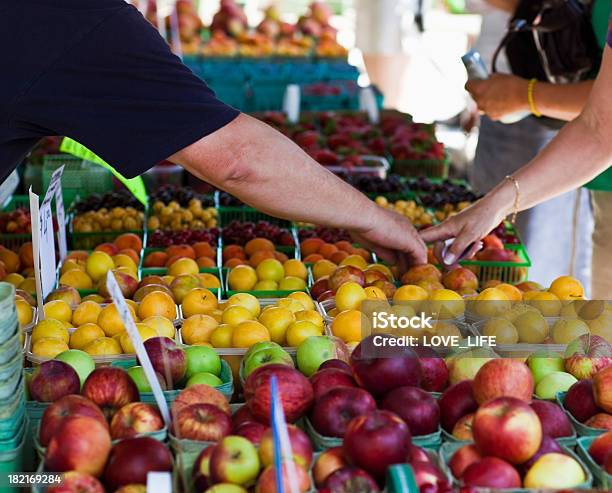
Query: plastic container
{"x":602,"y":478}
{"x":9,"y":382}
{"x":89,"y":240}
{"x":12,"y":457}
{"x":80,"y":177}
{"x":10,"y":348}
{"x":431,"y":168}
{"x":10,"y":406}
{"x":247,"y":214}
{"x":373,"y":166}
{"x":581,"y":428}
{"x":448,"y":449}
{"x":506,"y":272}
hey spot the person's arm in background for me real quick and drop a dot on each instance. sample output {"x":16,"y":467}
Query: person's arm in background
{"x":580,"y":152}
{"x":266,"y":170}
{"x":504,"y":94}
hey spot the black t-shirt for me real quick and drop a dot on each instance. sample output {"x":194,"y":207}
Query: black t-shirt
{"x":97,"y":71}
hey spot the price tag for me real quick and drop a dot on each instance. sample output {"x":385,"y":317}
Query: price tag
{"x":291,"y":103}
{"x":143,"y":357}
{"x":159,"y":482}
{"x":35,"y":221}
{"x":8,"y":187}
{"x":367,"y":103}
{"x":282,"y":446}
{"x":60,"y":216}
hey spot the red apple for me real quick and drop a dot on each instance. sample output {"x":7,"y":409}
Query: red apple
{"x":201,"y":469}
{"x":295,"y":392}
{"x":251,"y":430}
{"x":418,"y":454}
{"x":380,"y":370}
{"x":133,"y":458}
{"x":580,"y":401}
{"x":602,"y":421}
{"x":200,"y":394}
{"x":326,"y":295}
{"x":492,"y":472}
{"x":242,"y":416}
{"x":503,"y":378}
{"x":324,"y":380}
{"x":127,"y":284}
{"x":462,"y":459}
{"x":134,"y":419}
{"x":548,"y":446}
{"x":332,"y":413}
{"x":602,"y":389}
{"x":64,"y":407}
{"x":53,"y":379}
{"x":376,"y":441}
{"x":203,"y":422}
{"x":300,"y":447}
{"x":77,"y":482}
{"x":507,"y":428}
{"x":601,"y":447}
{"x":586,"y":355}
{"x":337,"y":364}
{"x":235,"y":460}
{"x":434,"y":372}
{"x":344,"y":274}
{"x":110,"y":388}
{"x":350,"y":479}
{"x":607,"y":465}
{"x":267,"y":480}
{"x":167,"y":359}
{"x":416,"y":407}
{"x":555,"y":422}
{"x":327,"y":463}
{"x":456,"y":401}
{"x":80,"y":444}
{"x":426,"y":473}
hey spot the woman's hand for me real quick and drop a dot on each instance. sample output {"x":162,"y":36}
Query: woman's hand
{"x":471,"y":224}
{"x":499,"y":95}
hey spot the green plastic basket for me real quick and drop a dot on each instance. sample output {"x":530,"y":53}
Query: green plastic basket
{"x":89,"y":240}
{"x":12,"y":459}
{"x":602,"y":478}
{"x":581,"y":428}
{"x":448,"y":449}
{"x":431,"y":168}
{"x":9,"y":383}
{"x":10,"y":426}
{"x":80,"y":177}
{"x":11,"y":405}
{"x":10,"y":349}
{"x":247,"y":214}
{"x":506,"y":272}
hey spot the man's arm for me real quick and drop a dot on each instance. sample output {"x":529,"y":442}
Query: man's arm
{"x":581,"y":151}
{"x":252,"y":161}
{"x":504,"y":94}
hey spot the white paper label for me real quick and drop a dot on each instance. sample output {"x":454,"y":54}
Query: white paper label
{"x":143,"y":357}
{"x":35,"y":221}
{"x":367,"y":103}
{"x":159,"y":482}
{"x":291,"y":103}
{"x":61,"y":218}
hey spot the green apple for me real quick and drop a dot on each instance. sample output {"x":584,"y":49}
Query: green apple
{"x":82,"y":362}
{"x":557,"y":381}
{"x":265,"y":357}
{"x":137,"y":374}
{"x":226,"y":488}
{"x":206,"y":378}
{"x":314,"y":351}
{"x":258,"y":346}
{"x":235,"y":460}
{"x":541,"y":363}
{"x":202,"y":359}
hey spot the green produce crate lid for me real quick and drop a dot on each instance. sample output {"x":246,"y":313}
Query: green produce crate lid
{"x":400,"y":479}
{"x":603,"y":479}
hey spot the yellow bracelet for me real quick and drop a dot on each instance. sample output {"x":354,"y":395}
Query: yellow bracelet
{"x":530,"y":98}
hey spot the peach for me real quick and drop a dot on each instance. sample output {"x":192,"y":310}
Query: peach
{"x":234,"y":262}
{"x":459,"y":279}
{"x":72,"y":264}
{"x":157,"y":303}
{"x":77,"y":279}
{"x":3,"y":271}
{"x":205,"y":262}
{"x":183,"y":284}
{"x":109,"y":248}
{"x":260,"y":256}
{"x":204,"y":249}
{"x":130,"y":253}
{"x":349,"y":296}
{"x":110,"y":321}
{"x":313,"y":258}
{"x":123,"y":260}
{"x":155,"y":259}
{"x":86,"y":312}
{"x":281,"y":257}
{"x":512,"y":292}
{"x":14,"y":279}
{"x":98,"y":264}
{"x":327,"y":250}
{"x":338,"y":256}
{"x":295,"y":268}
{"x":66,"y":293}
{"x":356,"y":261}
{"x":323,"y":268}
{"x":183,"y":266}
{"x":233,"y":251}
{"x":198,"y":328}
{"x":161,"y":325}
{"x":129,"y":240}
{"x":181,"y":251}
{"x":10,"y":259}
{"x":257,"y":244}
{"x":28,"y":285}
{"x":26,"y":254}
{"x":249,"y":332}
{"x":387,"y":287}
{"x":77,"y":255}
{"x":243,"y":277}
{"x":208,"y":280}
{"x":311,"y":246}
{"x":151,"y":280}
{"x":198,"y":301}
{"x":567,"y":288}
{"x":363,"y":253}
{"x":345,"y":246}
{"x":150,"y":288}
{"x":425,"y":272}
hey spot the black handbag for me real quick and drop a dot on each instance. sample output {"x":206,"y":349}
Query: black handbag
{"x":551,"y":41}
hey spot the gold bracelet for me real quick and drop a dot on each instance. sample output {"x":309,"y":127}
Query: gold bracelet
{"x":531,"y":99}
{"x":517,"y":198}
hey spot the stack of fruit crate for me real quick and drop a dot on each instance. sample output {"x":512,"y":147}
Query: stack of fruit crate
{"x":13,"y":419}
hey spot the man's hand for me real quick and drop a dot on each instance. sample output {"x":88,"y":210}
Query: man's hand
{"x":499,"y":95}
{"x":394,"y":240}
